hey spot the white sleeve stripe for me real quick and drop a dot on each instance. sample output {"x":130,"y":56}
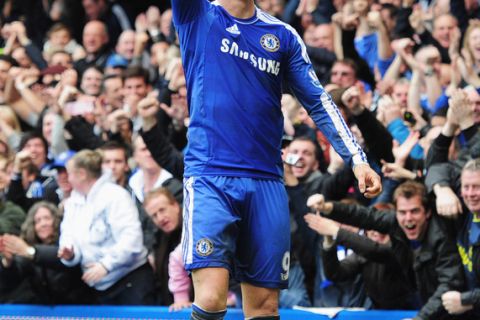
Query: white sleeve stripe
{"x":342,"y":130}
{"x":272,"y":20}
{"x":187,"y":232}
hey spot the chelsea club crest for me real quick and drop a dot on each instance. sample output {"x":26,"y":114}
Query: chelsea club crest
{"x":204,"y":247}
{"x":270,"y":42}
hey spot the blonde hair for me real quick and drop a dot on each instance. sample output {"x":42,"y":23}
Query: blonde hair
{"x":472,"y":25}
{"x":159,"y":192}
{"x":90,"y":161}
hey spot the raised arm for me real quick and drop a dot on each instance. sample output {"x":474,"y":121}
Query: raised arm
{"x":324,"y":112}
{"x":185,"y":11}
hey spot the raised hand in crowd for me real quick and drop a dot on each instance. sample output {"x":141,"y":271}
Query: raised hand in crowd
{"x":323,"y":226}
{"x":141,"y":23}
{"x":351,"y":99}
{"x":395,"y":171}
{"x":388,"y":110}
{"x":20,"y":31}
{"x":460,"y":110}
{"x":402,"y":46}
{"x":141,"y":35}
{"x":454,"y":48}
{"x":452,"y":302}
{"x":147,"y":109}
{"x":446,"y":201}
{"x":153,"y":17}
{"x":118,"y":122}
{"x":21,"y":161}
{"x":401,"y":151}
{"x":417,"y":20}
{"x":175,"y":75}
{"x":178,"y":111}
{"x":318,"y":204}
{"x":467,"y":70}
{"x":375,"y":20}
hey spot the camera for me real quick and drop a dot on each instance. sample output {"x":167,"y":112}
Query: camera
{"x":408,"y":117}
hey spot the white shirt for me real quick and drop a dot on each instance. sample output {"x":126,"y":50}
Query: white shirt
{"x":104,"y":227}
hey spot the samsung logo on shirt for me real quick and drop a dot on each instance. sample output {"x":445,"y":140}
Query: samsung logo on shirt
{"x":262,"y":64}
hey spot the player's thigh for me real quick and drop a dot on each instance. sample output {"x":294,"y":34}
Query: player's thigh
{"x":210,"y":224}
{"x":259,"y":301}
{"x":263,"y":251}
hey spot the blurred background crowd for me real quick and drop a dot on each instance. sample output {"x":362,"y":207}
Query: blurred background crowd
{"x":94,"y":118}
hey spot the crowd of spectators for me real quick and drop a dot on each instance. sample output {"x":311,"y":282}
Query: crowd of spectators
{"x":94,"y":119}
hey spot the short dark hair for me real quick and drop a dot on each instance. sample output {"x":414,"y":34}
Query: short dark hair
{"x":317,"y":149}
{"x":136,"y":72}
{"x":115,"y":145}
{"x":9,"y":59}
{"x":108,"y":77}
{"x":348,"y":62}
{"x":30,"y":135}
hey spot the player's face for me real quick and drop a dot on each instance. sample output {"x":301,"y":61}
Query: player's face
{"x":307,"y":161}
{"x":471,"y":190}
{"x":412,"y":216}
{"x":164,"y":214}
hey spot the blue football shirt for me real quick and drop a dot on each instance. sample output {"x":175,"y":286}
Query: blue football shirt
{"x":234,"y":70}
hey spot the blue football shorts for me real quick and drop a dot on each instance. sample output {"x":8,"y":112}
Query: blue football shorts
{"x":241,"y":224}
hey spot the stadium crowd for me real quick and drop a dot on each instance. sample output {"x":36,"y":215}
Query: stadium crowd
{"x":94,"y":119}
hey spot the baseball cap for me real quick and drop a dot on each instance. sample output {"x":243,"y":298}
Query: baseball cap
{"x":61,"y":160}
{"x":116,"y":61}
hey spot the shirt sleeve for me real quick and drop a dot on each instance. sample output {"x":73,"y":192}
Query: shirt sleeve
{"x":126,"y":228}
{"x":185,"y":11}
{"x":67,"y":238}
{"x":318,"y":103}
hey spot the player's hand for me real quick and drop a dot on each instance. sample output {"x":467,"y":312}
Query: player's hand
{"x":369,"y":182}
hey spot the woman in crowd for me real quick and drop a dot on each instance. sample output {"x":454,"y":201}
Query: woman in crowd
{"x":32,"y":258}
